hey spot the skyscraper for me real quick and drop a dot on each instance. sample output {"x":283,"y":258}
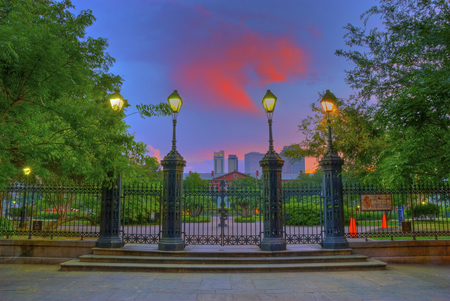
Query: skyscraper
{"x":232,"y":163}
{"x":252,"y":162}
{"x":219,"y":162}
{"x":293,"y":167}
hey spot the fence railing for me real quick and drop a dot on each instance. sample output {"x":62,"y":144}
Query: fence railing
{"x":418,"y":210}
{"x":233,"y":215}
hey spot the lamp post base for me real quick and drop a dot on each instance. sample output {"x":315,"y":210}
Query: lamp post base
{"x":335,"y":243}
{"x":273,"y":244}
{"x":171,"y":244}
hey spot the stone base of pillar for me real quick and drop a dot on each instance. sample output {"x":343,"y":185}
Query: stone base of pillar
{"x":109,"y":242}
{"x":171,"y":244}
{"x":273,"y":244}
{"x":335,"y":243}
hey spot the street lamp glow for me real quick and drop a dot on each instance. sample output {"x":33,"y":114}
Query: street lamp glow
{"x":269,"y":101}
{"x":116,"y":101}
{"x":328,"y":102}
{"x":26,"y":171}
{"x":175,"y":102}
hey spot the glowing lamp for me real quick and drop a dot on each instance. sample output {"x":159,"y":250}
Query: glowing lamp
{"x":116,"y":101}
{"x":175,"y":102}
{"x":269,"y":101}
{"x":328,"y":102}
{"x":26,"y":171}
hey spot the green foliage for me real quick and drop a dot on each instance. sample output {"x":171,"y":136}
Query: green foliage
{"x":6,"y":225}
{"x":194,"y":181}
{"x":245,"y":196}
{"x":195,"y":205}
{"x":196,"y":219}
{"x":240,"y":219}
{"x":139,"y":211}
{"x":406,"y":67}
{"x":302,"y":214}
{"x":395,"y":129}
{"x":54,"y":85}
{"x":426,"y":210}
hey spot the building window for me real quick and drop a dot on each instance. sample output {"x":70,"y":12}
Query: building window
{"x":235,"y":176}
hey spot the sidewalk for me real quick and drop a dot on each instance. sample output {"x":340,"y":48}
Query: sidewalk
{"x":398,"y":282}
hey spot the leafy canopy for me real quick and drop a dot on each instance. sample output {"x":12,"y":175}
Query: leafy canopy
{"x":54,"y":87}
{"x":396,"y":127}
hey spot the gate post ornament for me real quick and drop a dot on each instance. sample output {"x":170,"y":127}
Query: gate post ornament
{"x":331,"y":163}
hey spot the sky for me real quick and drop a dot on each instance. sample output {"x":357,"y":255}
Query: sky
{"x":222,"y":57}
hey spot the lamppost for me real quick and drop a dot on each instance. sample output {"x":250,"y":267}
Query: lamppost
{"x":23,"y":214}
{"x":331,"y":165}
{"x":173,"y":165}
{"x":272,"y":199}
{"x":110,"y":207}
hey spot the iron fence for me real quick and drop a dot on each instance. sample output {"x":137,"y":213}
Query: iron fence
{"x":50,"y":211}
{"x":409,"y":211}
{"x":228,"y":215}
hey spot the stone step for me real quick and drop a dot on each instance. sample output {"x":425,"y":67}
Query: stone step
{"x":236,"y":254}
{"x":77,"y":265}
{"x":221,"y":260}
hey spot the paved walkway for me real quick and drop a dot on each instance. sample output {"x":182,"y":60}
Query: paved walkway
{"x":398,"y":282}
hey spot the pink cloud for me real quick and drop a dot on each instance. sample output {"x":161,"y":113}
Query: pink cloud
{"x":315,"y":31}
{"x":221,"y":59}
{"x":152,"y":152}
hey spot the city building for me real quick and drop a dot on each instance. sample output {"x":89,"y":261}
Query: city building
{"x":292,"y":167}
{"x":252,"y":162}
{"x":219,"y":162}
{"x":233,"y":163}
{"x":228,"y":178}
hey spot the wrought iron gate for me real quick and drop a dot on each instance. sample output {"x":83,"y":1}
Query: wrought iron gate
{"x":222,"y":215}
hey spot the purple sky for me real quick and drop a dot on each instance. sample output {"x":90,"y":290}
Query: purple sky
{"x":222,"y":56}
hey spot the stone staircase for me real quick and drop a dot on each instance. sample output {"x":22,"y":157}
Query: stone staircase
{"x":220,"y":260}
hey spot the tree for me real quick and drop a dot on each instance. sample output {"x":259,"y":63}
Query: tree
{"x":243,"y":196}
{"x":355,"y":137}
{"x":396,"y":128}
{"x":54,"y":87}
{"x":406,"y":67}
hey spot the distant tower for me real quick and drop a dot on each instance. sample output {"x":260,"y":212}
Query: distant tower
{"x":252,"y":162}
{"x":295,"y":167}
{"x":219,"y":162}
{"x":232,"y":163}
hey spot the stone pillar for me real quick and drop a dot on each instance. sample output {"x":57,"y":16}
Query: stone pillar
{"x":173,"y":166}
{"x":334,"y":236}
{"x":110,"y":216}
{"x":272,"y":202}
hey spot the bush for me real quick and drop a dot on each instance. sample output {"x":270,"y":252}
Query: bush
{"x":6,"y":225}
{"x":426,"y":210}
{"x":140,"y":211}
{"x":302,"y":214}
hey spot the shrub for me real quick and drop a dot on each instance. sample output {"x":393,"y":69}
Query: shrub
{"x":302,"y":214}
{"x":6,"y":225}
{"x":426,"y":210}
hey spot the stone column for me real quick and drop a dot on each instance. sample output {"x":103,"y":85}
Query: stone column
{"x":110,"y":216}
{"x":173,"y":166}
{"x":334,"y":236}
{"x":272,"y":202}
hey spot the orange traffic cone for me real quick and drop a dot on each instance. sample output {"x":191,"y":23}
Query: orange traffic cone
{"x":353,"y":231}
{"x":383,"y":223}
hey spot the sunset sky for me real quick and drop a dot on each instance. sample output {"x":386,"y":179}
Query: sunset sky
{"x":222,"y":56}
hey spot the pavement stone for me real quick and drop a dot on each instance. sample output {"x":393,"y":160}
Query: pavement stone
{"x":398,"y":282}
